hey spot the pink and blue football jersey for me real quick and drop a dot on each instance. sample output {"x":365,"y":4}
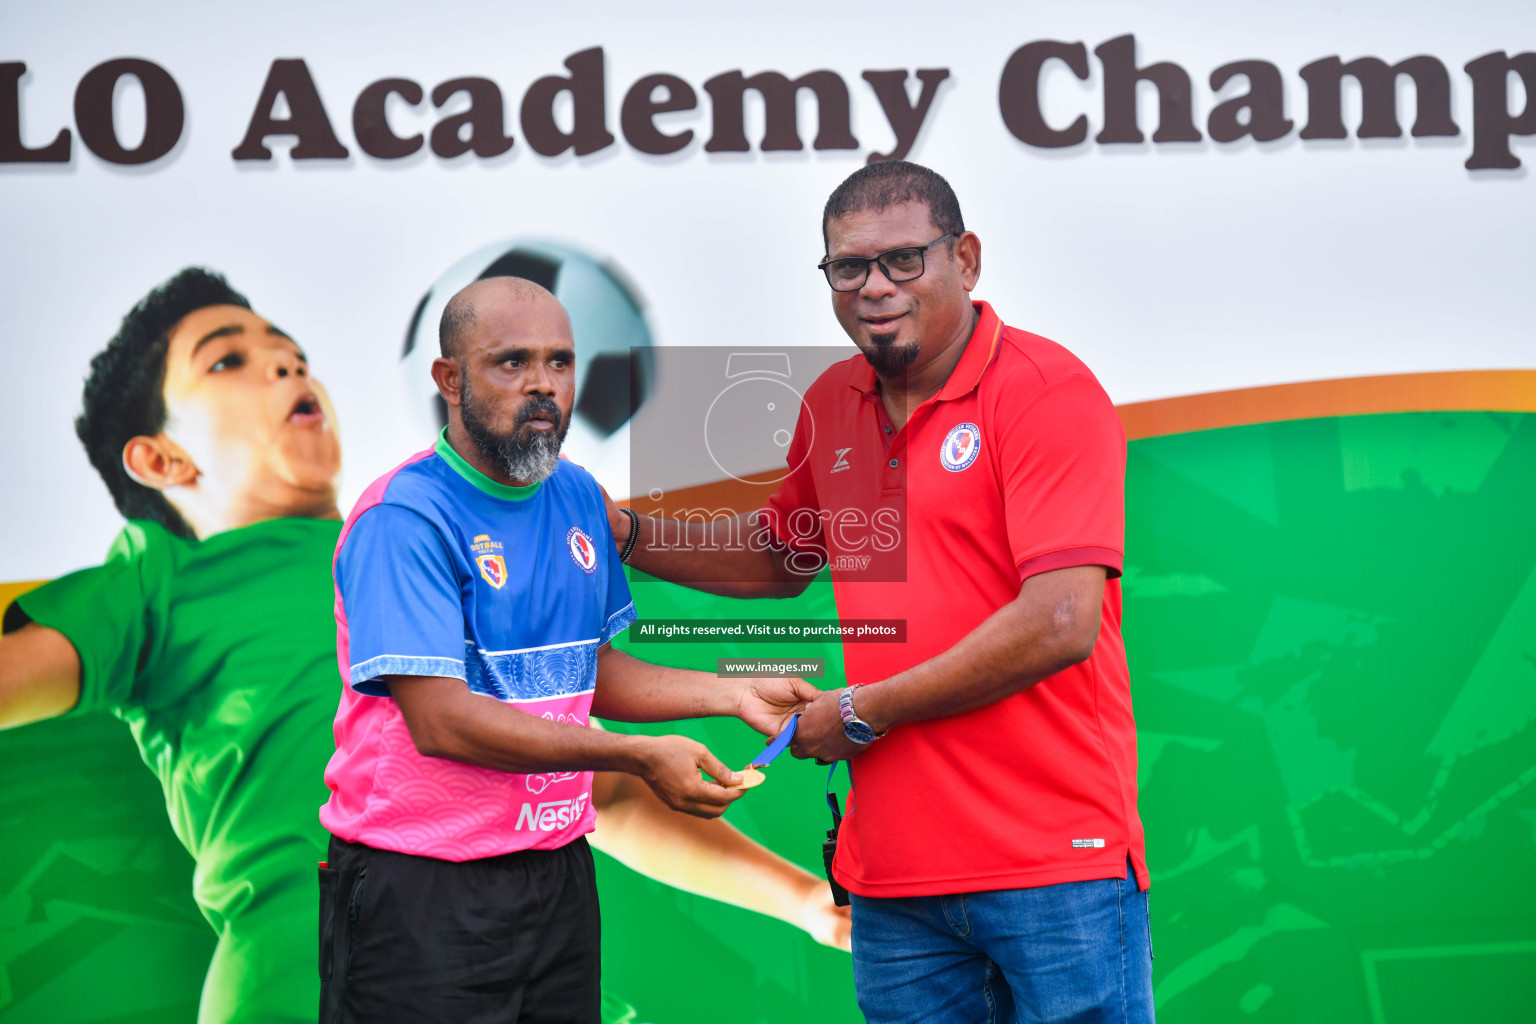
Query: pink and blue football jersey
{"x":442,"y":571}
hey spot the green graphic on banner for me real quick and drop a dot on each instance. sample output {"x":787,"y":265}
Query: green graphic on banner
{"x":97,"y":921}
{"x":1332,"y":632}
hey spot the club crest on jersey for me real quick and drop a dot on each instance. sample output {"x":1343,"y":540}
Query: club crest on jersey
{"x":493,"y":570}
{"x":960,"y":448}
{"x":487,"y":552}
{"x":583,"y":551}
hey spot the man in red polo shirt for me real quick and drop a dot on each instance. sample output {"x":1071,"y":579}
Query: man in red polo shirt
{"x":992,"y":843}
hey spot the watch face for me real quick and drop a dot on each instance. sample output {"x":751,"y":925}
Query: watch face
{"x":858,"y":732}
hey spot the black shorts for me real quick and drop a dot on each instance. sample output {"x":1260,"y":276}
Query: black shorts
{"x":414,"y":939}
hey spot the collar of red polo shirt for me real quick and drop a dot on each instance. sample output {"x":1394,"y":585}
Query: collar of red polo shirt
{"x":980,"y":350}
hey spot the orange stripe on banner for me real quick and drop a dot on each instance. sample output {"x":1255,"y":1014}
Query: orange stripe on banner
{"x":1460,"y":390}
{"x":727,"y":497}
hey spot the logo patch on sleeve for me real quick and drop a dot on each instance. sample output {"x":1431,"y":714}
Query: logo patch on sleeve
{"x":960,"y":448}
{"x":583,"y":551}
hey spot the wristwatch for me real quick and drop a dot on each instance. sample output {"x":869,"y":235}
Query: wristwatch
{"x":854,"y":727}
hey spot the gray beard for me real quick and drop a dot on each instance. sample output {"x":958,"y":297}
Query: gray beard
{"x":526,"y":455}
{"x":533,"y":461}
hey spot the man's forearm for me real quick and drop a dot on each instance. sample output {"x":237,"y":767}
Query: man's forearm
{"x":1051,"y":626}
{"x":448,"y":721}
{"x":631,"y":690}
{"x":730,"y":558}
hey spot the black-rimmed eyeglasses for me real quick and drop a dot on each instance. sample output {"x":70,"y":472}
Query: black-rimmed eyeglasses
{"x":907,"y":263}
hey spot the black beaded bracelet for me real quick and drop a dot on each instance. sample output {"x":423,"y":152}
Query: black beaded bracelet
{"x":634,"y":534}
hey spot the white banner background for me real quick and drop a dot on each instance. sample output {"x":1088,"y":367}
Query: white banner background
{"x":1171,"y":269}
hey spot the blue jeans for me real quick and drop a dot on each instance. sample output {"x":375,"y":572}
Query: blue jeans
{"x":1078,"y":951}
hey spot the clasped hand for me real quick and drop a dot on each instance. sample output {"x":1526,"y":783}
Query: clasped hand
{"x":820,"y":733}
{"x":768,"y":703}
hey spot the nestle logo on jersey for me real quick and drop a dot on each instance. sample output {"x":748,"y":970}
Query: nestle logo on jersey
{"x":551,"y":815}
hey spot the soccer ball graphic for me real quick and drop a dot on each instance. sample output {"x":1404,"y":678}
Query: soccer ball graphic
{"x":614,"y":367}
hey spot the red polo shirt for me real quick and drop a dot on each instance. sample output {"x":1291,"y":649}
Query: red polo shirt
{"x":1016,"y":467}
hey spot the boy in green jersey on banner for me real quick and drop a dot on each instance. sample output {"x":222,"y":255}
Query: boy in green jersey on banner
{"x":209,"y":630}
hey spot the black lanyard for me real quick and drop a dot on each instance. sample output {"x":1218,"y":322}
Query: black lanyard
{"x":829,"y":845}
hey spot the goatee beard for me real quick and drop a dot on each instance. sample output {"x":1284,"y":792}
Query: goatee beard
{"x":529,"y":456}
{"x":889,"y":359}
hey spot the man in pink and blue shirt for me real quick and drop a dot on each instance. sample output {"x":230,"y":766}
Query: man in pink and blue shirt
{"x":477,"y":589}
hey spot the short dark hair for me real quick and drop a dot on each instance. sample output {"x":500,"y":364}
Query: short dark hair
{"x":458,"y":317}
{"x":888,"y":183}
{"x":125,"y":391}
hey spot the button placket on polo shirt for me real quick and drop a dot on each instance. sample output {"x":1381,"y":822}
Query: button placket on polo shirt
{"x":902,"y":444}
{"x":893,"y":474}
{"x":893,"y":442}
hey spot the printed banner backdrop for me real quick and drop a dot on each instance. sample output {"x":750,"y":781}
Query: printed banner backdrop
{"x":1291,"y":240}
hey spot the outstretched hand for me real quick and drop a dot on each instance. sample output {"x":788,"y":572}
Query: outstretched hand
{"x":671,"y":767}
{"x":767,"y":703}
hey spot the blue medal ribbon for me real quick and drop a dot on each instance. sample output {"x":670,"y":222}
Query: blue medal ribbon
{"x":778,"y":746}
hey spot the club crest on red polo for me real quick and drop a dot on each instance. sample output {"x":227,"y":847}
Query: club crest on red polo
{"x":960,"y":448}
{"x":583,"y":551}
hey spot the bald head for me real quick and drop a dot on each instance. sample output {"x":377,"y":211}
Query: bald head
{"x":496,"y":297}
{"x":508,"y":376}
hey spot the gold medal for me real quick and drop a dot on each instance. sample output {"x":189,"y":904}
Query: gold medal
{"x":749,"y":777}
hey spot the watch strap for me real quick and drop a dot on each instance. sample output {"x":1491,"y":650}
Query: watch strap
{"x":854,"y":727}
